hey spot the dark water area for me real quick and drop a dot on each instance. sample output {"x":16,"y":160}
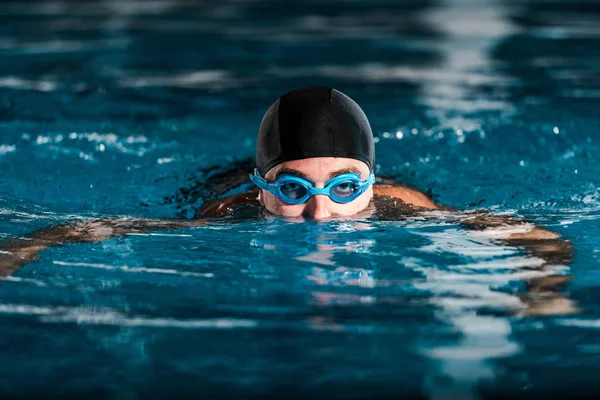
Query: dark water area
{"x":122,"y":109}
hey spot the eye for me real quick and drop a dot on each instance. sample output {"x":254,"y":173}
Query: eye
{"x":293,"y":190}
{"x":344,"y":190}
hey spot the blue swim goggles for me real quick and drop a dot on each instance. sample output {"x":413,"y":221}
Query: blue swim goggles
{"x":292,"y":189}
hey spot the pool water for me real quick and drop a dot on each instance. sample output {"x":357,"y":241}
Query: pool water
{"x":119,"y":108}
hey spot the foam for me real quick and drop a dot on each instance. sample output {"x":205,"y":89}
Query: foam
{"x":135,"y":269}
{"x":5,"y":149}
{"x":580,"y":323}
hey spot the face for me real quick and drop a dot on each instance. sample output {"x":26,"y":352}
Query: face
{"x":318,"y":170}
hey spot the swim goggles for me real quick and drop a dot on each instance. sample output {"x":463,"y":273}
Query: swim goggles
{"x":292,"y":189}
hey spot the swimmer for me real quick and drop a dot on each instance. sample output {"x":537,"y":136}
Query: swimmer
{"x":315,"y":158}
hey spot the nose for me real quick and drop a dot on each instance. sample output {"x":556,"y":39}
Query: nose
{"x":317,"y":207}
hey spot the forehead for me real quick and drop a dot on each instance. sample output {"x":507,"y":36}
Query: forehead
{"x":321,"y":168}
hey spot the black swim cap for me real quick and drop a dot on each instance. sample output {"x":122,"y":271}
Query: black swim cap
{"x":313,"y":122}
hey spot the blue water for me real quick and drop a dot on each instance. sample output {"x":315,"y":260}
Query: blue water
{"x":111,"y":108}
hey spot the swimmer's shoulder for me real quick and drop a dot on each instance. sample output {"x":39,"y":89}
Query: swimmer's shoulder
{"x":407,"y":194}
{"x":220,"y":207}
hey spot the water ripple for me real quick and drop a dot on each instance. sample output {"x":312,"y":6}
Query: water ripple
{"x":99,"y":316}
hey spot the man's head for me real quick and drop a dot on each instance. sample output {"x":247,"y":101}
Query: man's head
{"x":316,"y":134}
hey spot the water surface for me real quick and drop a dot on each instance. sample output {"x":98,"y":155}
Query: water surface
{"x":110,"y":108}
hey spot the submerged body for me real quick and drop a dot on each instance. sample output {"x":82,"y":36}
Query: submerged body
{"x":387,"y":202}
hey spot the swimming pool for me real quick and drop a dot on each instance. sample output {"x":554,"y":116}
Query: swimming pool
{"x":119,"y":108}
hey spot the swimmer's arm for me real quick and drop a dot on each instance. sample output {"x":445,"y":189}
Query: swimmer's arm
{"x":15,"y":252}
{"x":507,"y":228}
{"x":543,"y":296}
{"x":539,"y":242}
{"x":479,"y":221}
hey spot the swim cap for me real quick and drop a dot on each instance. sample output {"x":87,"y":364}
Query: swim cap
{"x":313,"y":122}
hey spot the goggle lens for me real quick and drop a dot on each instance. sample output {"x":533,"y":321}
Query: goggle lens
{"x":344,"y":190}
{"x":293,"y":190}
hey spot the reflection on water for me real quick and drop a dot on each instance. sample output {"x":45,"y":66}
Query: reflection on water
{"x":469,"y":296}
{"x":108,"y":107}
{"x":470,"y":30}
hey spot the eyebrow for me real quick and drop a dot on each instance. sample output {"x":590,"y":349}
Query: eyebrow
{"x":348,"y":170}
{"x":291,"y":171}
